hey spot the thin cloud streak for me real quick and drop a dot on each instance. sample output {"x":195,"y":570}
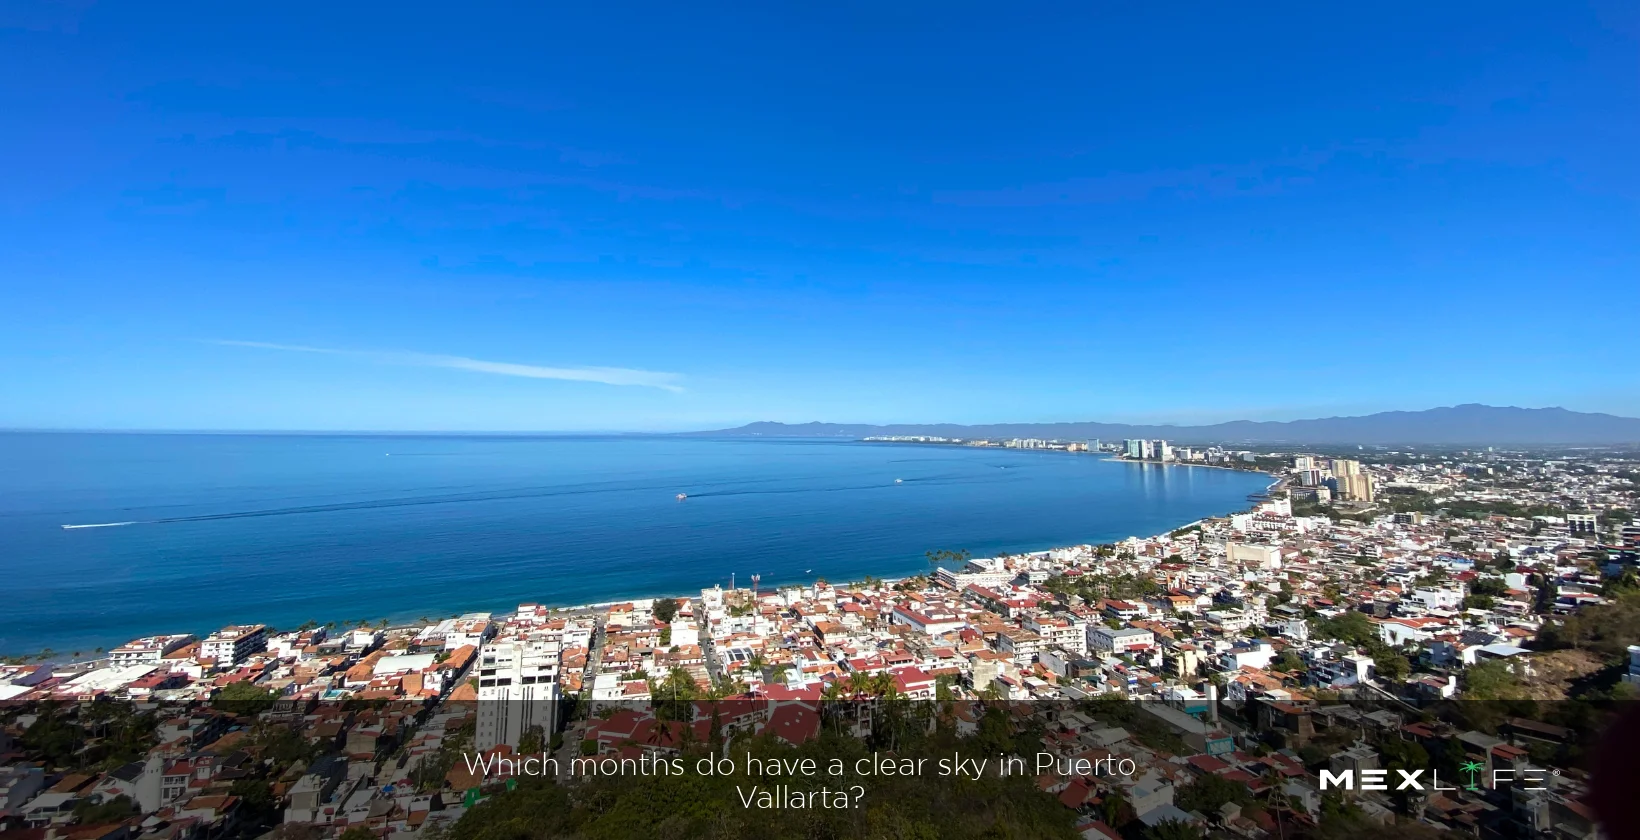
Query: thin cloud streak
{"x":604,"y":375}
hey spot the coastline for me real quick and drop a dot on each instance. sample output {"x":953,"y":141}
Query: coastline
{"x":402,"y":619}
{"x":1107,"y":457}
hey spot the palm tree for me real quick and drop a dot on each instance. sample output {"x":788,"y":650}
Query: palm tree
{"x":1112,"y":808}
{"x":1276,"y":799}
{"x":937,"y":558}
{"x":831,"y":697}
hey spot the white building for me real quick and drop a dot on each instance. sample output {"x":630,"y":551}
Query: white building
{"x":1349,"y":670}
{"x":1070,"y":636}
{"x":1102,"y":639}
{"x":232,"y":644}
{"x":1264,"y":557}
{"x":1229,"y":620}
{"x":1257,"y":655}
{"x":148,"y":650}
{"x":929,"y":621}
{"x":1439,"y":599}
{"x":517,"y":690}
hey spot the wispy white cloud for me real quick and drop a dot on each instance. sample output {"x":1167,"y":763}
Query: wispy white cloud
{"x":605,"y":375}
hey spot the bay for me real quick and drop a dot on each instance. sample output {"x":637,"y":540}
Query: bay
{"x":284,"y":529}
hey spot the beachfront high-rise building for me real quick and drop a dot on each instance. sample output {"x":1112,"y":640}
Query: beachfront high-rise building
{"x":517,"y":690}
{"x":1163,"y":450}
{"x":1353,"y":484}
{"x":1303,"y":462}
{"x":231,"y":645}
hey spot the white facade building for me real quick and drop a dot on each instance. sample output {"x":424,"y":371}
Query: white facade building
{"x":231,"y":645}
{"x":148,"y":650}
{"x":1102,"y":639}
{"x":517,"y":690}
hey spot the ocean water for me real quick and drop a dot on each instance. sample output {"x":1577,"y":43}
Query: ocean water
{"x":199,"y":531}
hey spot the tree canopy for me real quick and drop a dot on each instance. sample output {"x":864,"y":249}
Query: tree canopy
{"x":244,"y":698}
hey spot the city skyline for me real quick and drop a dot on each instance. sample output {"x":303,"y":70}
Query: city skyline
{"x":560,"y":221}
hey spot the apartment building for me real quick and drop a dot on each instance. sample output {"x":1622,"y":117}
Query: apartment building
{"x":517,"y":690}
{"x":233,"y":644}
{"x":148,"y":650}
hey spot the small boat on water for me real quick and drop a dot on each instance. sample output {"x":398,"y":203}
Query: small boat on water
{"x":682,"y":496}
{"x":899,"y":481}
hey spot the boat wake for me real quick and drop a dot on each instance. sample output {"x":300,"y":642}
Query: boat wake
{"x":512,"y":494}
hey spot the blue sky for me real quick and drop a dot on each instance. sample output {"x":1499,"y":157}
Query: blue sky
{"x":567,"y":217}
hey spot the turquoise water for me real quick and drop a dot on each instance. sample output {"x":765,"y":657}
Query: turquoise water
{"x":286,"y":528}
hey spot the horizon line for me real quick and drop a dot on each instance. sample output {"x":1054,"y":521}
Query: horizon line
{"x":798,"y":424}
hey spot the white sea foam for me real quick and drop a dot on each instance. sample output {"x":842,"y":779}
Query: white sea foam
{"x":98,"y":525}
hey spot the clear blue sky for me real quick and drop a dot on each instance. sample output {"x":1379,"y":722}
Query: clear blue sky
{"x":685,"y":215}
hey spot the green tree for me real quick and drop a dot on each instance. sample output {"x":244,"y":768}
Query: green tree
{"x":1616,"y":516}
{"x":1116,"y":810}
{"x":255,"y":795}
{"x":54,"y":735}
{"x":1391,"y":666}
{"x":1604,"y":629}
{"x":1478,"y":602}
{"x":1352,"y":627}
{"x":244,"y":698}
{"x":946,"y":557}
{"x":532,"y":741}
{"x":1207,"y":794}
{"x":105,"y":812}
{"x":1494,"y":680}
{"x":1172,"y":830}
{"x":666,"y":609}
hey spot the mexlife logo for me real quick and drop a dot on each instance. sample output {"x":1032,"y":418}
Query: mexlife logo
{"x":1532,"y":778}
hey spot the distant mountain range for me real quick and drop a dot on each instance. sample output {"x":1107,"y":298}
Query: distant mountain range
{"x":1455,"y":425}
